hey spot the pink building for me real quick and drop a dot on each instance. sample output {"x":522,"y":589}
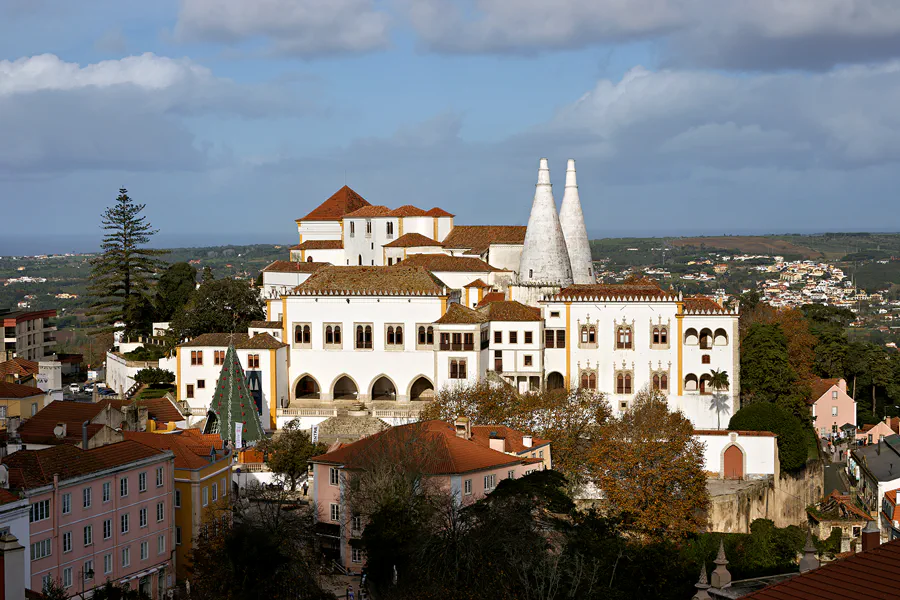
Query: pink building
{"x":831,"y":407}
{"x":468,"y":465}
{"x":98,"y":514}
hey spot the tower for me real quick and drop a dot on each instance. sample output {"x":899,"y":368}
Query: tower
{"x":545,"y":259}
{"x":571,"y":219}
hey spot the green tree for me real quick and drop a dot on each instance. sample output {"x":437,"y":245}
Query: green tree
{"x":793,"y":449}
{"x":123,"y":273}
{"x":174,"y":288}
{"x":218,"y":306}
{"x":207,"y":274}
{"x":766,"y":374}
{"x":110,"y":591}
{"x":718,"y":382}
{"x":289,"y":450}
{"x":153,"y":375}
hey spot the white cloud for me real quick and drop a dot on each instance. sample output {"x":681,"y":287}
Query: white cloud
{"x":723,"y":33}
{"x":293,"y":27}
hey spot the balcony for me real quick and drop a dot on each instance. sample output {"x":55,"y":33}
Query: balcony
{"x":457,"y":347}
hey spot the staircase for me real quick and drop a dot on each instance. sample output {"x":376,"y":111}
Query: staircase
{"x":133,"y":390}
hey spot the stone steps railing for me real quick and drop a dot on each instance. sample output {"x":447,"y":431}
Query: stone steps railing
{"x":307,"y":412}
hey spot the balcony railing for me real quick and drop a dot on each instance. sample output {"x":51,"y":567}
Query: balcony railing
{"x":307,"y":412}
{"x":457,"y":347}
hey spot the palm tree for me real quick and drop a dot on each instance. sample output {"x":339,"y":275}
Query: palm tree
{"x":718,"y":381}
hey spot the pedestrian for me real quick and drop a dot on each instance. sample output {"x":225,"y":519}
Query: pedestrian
{"x":305,"y":488}
{"x":349,"y":592}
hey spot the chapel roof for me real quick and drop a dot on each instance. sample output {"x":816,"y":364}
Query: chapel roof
{"x":457,"y":314}
{"x":343,"y":201}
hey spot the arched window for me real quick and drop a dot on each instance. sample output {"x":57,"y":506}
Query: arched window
{"x":360,"y":337}
{"x":624,"y":382}
{"x":360,"y":260}
{"x":302,"y":334}
{"x":329,"y":335}
{"x":390,"y":335}
{"x":584,"y":380}
{"x":706,"y":339}
{"x":656,"y":336}
{"x":588,"y":334}
{"x":690,"y":383}
{"x":399,"y":335}
{"x":337,"y":334}
{"x":720,"y":338}
{"x":588,"y":379}
{"x":430,"y":335}
{"x":421,"y":335}
{"x":592,"y":381}
{"x":620,"y":383}
{"x":309,"y":259}
{"x":690,"y":337}
{"x":664,"y":382}
{"x":623,"y":337}
{"x":656,"y":381}
{"x":627,"y":383}
{"x":664,"y":335}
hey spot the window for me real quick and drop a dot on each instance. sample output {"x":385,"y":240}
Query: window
{"x":588,"y":335}
{"x":39,"y":511}
{"x":253,"y":361}
{"x":623,"y":337}
{"x":333,"y":335}
{"x":107,"y":529}
{"x":363,"y":337}
{"x":107,"y":564}
{"x":126,"y":556}
{"x":177,"y":536}
{"x":33,"y":408}
{"x":368,"y":228}
{"x":468,"y":341}
{"x":66,"y":503}
{"x":88,"y":570}
{"x":177,"y":498}
{"x":704,"y":359}
{"x":46,"y":581}
{"x":498,"y":361}
{"x":393,"y":336}
{"x":215,"y":492}
{"x":529,"y":337}
{"x":467,"y":487}
{"x":356,"y":555}
{"x":528,"y":360}
{"x":356,"y":523}
{"x":513,"y":337}
{"x":224,"y":488}
{"x":145,"y":550}
{"x":88,"y":535}
{"x":623,"y":382}
{"x":123,"y":487}
{"x":511,"y":474}
{"x":659,"y":335}
{"x":197,"y":357}
{"x":560,"y":338}
{"x":424,"y":335}
{"x":161,"y":544}
{"x":389,"y":229}
{"x":458,"y":368}
{"x":125,"y":523}
{"x":105,"y":492}
{"x":205,"y":496}
{"x":302,"y":334}
{"x":142,"y":517}
{"x":86,"y":497}
{"x":142,"y":482}
{"x":335,"y":512}
{"x":67,"y":577}
{"x":67,"y":541}
{"x":333,"y":476}
{"x":160,"y":474}
{"x":218,"y":357}
{"x":834,"y":411}
{"x":490,"y":482}
{"x":352,"y":229}
{"x":660,"y":382}
{"x":160,"y":511}
{"x":201,"y":384}
{"x":588,"y":379}
{"x":190,"y":391}
{"x":40,"y":549}
{"x":498,"y":337}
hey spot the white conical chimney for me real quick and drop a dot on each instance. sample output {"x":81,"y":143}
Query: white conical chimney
{"x":571,"y":219}
{"x":544,"y":255}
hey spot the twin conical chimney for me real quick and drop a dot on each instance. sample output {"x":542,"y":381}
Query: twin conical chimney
{"x":571,"y":219}
{"x":545,"y":258}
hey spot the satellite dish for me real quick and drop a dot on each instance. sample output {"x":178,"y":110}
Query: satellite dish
{"x":59,"y":431}
{"x":4,"y":476}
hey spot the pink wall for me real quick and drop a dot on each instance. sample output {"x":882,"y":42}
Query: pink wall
{"x":58,"y":524}
{"x":876,"y":433}
{"x":835,"y":397}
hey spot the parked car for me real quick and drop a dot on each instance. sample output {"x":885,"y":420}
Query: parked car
{"x":74,"y":388}
{"x":107,"y":392}
{"x":88,"y":389}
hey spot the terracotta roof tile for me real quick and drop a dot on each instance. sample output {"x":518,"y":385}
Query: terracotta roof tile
{"x":821,"y":386}
{"x":319,"y":245}
{"x":477,"y":238}
{"x":190,"y":452}
{"x":445,"y":262}
{"x":18,"y":366}
{"x":162,"y":410}
{"x":445,"y":453}
{"x":478,"y":283}
{"x":438,"y":212}
{"x":373,"y":281}
{"x":737,"y":431}
{"x":482,"y":434}
{"x":630,"y":289}
{"x":510,"y":310}
{"x":15,"y":390}
{"x":412,"y":240}
{"x":870,"y":575}
{"x":369,"y":211}
{"x":6,"y":497}
{"x":339,"y":204}
{"x":241,"y":341}
{"x":266,"y":324}
{"x":491,"y":297}
{"x":290,"y":266}
{"x":39,"y":428}
{"x":457,"y":314}
{"x":702,"y":304}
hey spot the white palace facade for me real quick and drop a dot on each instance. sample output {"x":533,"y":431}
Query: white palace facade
{"x":382,"y":307}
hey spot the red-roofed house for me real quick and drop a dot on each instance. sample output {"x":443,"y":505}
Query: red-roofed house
{"x":468,"y":464}
{"x":831,"y":407}
{"x":21,"y":401}
{"x":104,"y":513}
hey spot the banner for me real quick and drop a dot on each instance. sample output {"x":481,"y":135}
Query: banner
{"x":238,"y":435}
{"x":315,"y":434}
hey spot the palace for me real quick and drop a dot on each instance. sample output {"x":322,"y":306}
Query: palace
{"x":382,"y":307}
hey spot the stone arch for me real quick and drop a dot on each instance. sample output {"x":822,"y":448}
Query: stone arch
{"x":306,"y":387}
{"x":383,"y":388}
{"x":720,"y":337}
{"x":555,"y":381}
{"x":706,"y":338}
{"x":421,"y":388}
{"x":733,"y":462}
{"x":691,"y":338}
{"x":691,"y":383}
{"x":705,"y":384}
{"x":344,"y":387}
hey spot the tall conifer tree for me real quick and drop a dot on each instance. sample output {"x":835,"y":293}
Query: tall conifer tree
{"x":124,"y":272}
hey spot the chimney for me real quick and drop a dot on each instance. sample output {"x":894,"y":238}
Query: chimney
{"x":809,"y":560}
{"x":84,"y":435}
{"x":720,"y":578}
{"x":526,"y":441}
{"x":497,"y":443}
{"x":871,"y":536}
{"x":463,"y":428}
{"x":842,"y":383}
{"x":12,"y":567}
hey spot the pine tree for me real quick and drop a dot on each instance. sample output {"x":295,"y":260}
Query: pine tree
{"x":232,"y":403}
{"x":124,"y":272}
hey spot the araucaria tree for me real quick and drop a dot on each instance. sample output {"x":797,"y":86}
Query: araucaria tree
{"x":124,"y":272}
{"x":650,"y":468}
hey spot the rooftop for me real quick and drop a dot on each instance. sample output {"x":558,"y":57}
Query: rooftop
{"x":18,"y":366}
{"x":477,"y":238}
{"x":412,"y":240}
{"x":491,"y":297}
{"x":319,"y":245}
{"x":482,"y":434}
{"x":702,"y":304}
{"x":241,"y":341}
{"x":510,"y":310}
{"x":636,"y":288}
{"x":881,"y":458}
{"x":821,"y":386}
{"x":457,"y":314}
{"x":445,"y":262}
{"x":289,"y":266}
{"x":343,"y":201}
{"x":191,"y":451}
{"x":374,"y":281}
{"x":17,"y":391}
{"x":266,"y":324}
{"x":11,"y":317}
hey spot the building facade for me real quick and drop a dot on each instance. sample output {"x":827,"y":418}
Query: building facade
{"x":832,"y":407}
{"x":28,"y":334}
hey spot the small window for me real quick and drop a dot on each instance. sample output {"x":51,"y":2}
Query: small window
{"x":335,"y":512}
{"x":145,"y":550}
{"x":467,"y":487}
{"x":160,"y":473}
{"x":424,"y":335}
{"x":623,"y":337}
{"x":364,"y":337}
{"x":196,"y":357}
{"x":253,"y":361}
{"x":67,"y":541}
{"x":177,"y":498}
{"x":623,"y":383}
{"x":458,"y":368}
{"x":333,"y":335}
{"x":161,"y":544}
{"x":201,"y":384}
{"x":498,"y":337}
{"x":218,"y":357}
{"x":205,"y":494}
{"x":302,"y":334}
{"x":142,"y":482}
{"x":529,"y":337}
{"x":393,"y":337}
{"x":513,"y":337}
{"x":356,"y":555}
{"x":560,"y":338}
{"x":88,"y":570}
{"x":107,"y":564}
{"x":67,"y":577}
{"x":177,"y":536}
{"x":528,"y":360}
{"x":705,"y":359}
{"x":352,"y":229}
{"x":88,"y":535}
{"x":333,"y":476}
{"x":123,"y":487}
{"x":490,"y":482}
{"x":190,"y":391}
{"x":86,"y":497}
{"x":107,"y":529}
{"x":834,"y":394}
{"x":124,"y":523}
{"x":142,"y":518}
{"x":66,"y":503}
{"x":834,"y":411}
{"x":126,"y":557}
{"x":554,"y":314}
{"x":215,"y":492}
{"x":106,"y":492}
{"x":511,"y":474}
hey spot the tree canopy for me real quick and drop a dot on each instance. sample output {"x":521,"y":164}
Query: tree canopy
{"x":218,"y":306}
{"x":793,"y":439}
{"x":289,"y":451}
{"x":174,"y":288}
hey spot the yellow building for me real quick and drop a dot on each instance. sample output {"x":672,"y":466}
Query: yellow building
{"x":20,"y":401}
{"x":202,"y":479}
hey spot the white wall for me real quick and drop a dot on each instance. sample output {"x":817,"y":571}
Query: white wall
{"x":505,"y":256}
{"x":276,"y":284}
{"x":120,"y":372}
{"x":333,"y":256}
{"x":319,"y":230}
{"x":15,"y":516}
{"x":368,"y":246}
{"x":760,"y":453}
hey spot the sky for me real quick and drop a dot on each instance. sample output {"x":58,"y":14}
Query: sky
{"x":229,"y":119}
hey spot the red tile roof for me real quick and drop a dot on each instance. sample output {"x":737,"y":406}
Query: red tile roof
{"x":408,"y":210}
{"x":821,"y":386}
{"x":891,"y":495}
{"x":162,"y":410}
{"x":870,"y":575}
{"x":510,"y":310}
{"x":702,"y":304}
{"x":444,"y":452}
{"x":412,"y":240}
{"x":290,"y":266}
{"x":319,"y":245}
{"x":39,"y":428}
{"x":339,"y":204}
{"x":491,"y":297}
{"x":34,"y":468}
{"x":457,"y":314}
{"x":11,"y":319}
{"x":18,"y":366}
{"x":638,"y":288}
{"x":445,"y":262}
{"x":15,"y":390}
{"x":369,"y":211}
{"x":374,"y":281}
{"x":478,"y":283}
{"x":438,"y":212}
{"x":482,"y":434}
{"x":737,"y":431}
{"x":241,"y":341}
{"x":477,"y":238}
{"x":6,"y":497}
{"x":190,"y":452}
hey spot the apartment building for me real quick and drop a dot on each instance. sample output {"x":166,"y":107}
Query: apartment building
{"x":27,"y":334}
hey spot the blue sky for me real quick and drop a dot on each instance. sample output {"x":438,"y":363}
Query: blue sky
{"x":229,"y":118}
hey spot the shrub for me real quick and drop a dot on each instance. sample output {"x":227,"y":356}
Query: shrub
{"x":153,"y":375}
{"x":145,"y":353}
{"x":764,"y":416}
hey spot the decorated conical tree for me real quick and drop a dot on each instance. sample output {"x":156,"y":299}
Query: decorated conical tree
{"x":232,"y":403}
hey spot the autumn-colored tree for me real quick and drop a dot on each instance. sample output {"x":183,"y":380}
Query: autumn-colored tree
{"x":569,"y":419}
{"x":650,"y":468}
